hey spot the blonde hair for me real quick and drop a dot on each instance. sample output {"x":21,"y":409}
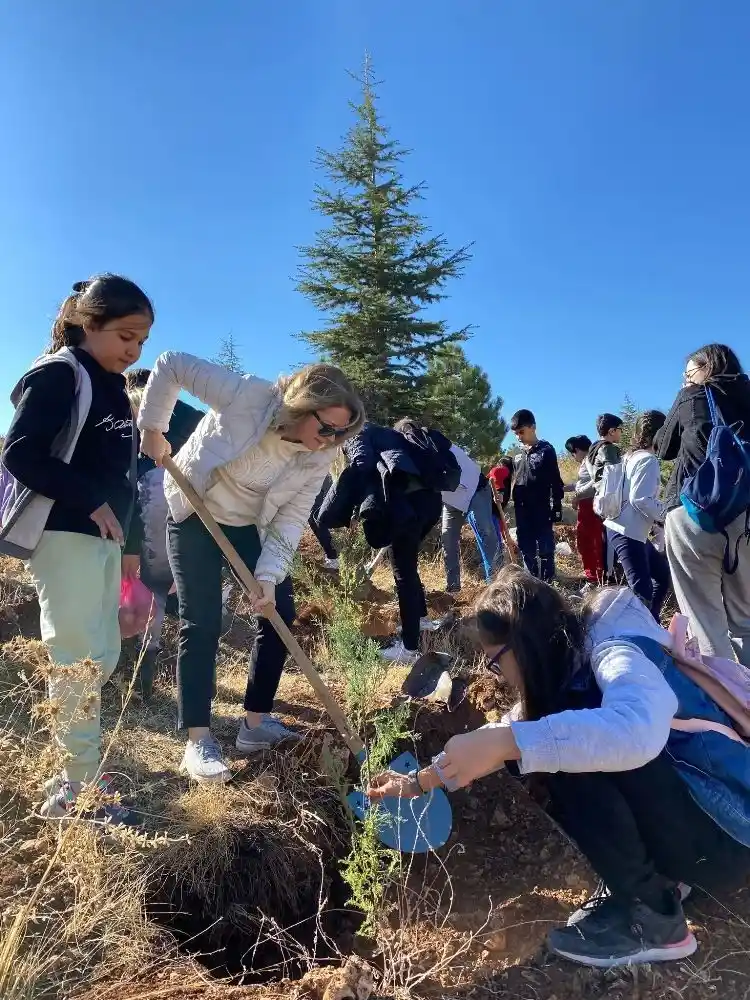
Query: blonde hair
{"x":316,"y":387}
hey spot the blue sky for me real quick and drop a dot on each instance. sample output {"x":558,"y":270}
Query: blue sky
{"x":597,"y":152}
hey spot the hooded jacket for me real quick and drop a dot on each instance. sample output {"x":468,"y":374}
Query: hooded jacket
{"x":375,"y":486}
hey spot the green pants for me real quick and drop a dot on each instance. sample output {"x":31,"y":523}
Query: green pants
{"x":77,"y":578}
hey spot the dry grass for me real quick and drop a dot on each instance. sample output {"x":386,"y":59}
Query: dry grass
{"x":250,"y":864}
{"x":245,"y":860}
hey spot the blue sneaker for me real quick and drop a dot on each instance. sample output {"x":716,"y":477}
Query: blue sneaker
{"x":269,"y":734}
{"x":640,"y":936}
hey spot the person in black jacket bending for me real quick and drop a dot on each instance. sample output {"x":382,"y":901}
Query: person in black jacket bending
{"x":537,"y":496}
{"x":717,"y":603}
{"x":392,"y":483}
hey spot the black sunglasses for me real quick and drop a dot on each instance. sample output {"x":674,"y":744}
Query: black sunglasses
{"x":330,"y":430}
{"x":492,"y":663}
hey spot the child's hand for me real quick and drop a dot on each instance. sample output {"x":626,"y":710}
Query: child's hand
{"x":155,"y":446}
{"x":108,"y":525}
{"x":390,"y":784}
{"x":131,"y":566}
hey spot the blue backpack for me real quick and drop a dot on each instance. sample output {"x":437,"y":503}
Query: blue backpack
{"x":719,"y":492}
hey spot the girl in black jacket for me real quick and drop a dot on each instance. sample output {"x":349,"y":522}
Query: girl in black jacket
{"x":717,"y":603}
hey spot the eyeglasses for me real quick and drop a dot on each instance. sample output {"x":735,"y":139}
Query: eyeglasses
{"x":330,"y":430}
{"x":493,"y":663}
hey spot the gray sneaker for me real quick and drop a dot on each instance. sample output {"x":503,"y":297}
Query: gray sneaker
{"x":203,"y":761}
{"x":270,"y":733}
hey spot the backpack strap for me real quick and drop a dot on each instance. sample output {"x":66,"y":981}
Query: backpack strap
{"x":716,"y":418}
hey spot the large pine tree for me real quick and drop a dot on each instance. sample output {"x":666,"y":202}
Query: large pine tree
{"x":375,"y":267}
{"x":459,"y":400}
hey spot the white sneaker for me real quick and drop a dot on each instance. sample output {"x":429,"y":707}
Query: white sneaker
{"x":203,"y":761}
{"x":398,"y":653}
{"x":330,"y":563}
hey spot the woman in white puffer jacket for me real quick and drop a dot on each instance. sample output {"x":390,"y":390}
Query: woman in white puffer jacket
{"x":258,"y":459}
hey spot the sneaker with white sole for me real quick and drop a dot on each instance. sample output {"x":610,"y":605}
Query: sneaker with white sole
{"x":638,"y":936}
{"x":203,"y":761}
{"x":269,"y":734}
{"x":330,"y":563}
{"x":602,"y":909}
{"x":398,"y":653}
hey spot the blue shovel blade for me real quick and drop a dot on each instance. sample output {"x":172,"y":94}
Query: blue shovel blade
{"x":412,"y":826}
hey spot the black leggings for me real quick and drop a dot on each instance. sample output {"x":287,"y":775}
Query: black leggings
{"x":642,"y":832}
{"x":427,"y":507}
{"x":197,"y":564}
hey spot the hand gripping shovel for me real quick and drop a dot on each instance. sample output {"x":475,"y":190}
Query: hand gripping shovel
{"x":410,"y":825}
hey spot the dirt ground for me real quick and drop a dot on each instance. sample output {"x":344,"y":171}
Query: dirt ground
{"x":471,"y":919}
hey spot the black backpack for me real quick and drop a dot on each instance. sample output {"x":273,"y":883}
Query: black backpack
{"x":431,"y":453}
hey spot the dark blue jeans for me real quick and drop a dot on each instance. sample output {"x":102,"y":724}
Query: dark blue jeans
{"x":646,"y":570}
{"x":197,"y":564}
{"x":536,"y":540}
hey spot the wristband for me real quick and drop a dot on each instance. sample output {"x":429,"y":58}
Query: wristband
{"x":414,"y":778}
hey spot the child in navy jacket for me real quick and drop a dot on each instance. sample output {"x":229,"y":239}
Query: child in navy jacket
{"x":537,"y":496}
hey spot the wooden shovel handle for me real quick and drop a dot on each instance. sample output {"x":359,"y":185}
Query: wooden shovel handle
{"x":252,"y":588}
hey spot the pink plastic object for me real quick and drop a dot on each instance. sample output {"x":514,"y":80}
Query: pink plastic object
{"x":136,"y":601}
{"x":732,"y":676}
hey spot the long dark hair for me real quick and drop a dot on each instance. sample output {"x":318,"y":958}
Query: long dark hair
{"x":546,"y":636}
{"x":97,"y":301}
{"x":718,"y":362}
{"x":647,"y":425}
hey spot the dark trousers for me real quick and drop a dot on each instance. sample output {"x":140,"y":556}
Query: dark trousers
{"x":404,"y":554}
{"x":642,"y":832}
{"x":536,"y":540}
{"x":646,"y":570}
{"x":197,"y":564}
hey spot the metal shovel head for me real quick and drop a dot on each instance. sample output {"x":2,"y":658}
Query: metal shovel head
{"x":424,"y":676}
{"x":412,"y":826}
